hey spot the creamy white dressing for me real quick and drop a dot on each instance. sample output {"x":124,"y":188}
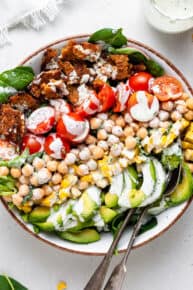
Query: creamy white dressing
{"x":7,"y":90}
{"x":122,"y":93}
{"x":56,"y":146}
{"x":74,"y":127}
{"x":94,"y":193}
{"x":141,"y":111}
{"x":39,"y":116}
{"x":7,"y":153}
{"x":98,"y":221}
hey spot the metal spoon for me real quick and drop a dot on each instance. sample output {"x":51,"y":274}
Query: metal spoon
{"x":116,"y":279}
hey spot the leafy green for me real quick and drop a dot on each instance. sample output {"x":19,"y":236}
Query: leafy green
{"x":137,"y":57}
{"x":28,"y":196}
{"x":150,"y":224}
{"x":31,"y":157}
{"x":7,"y":186}
{"x":13,"y":80}
{"x":17,"y":161}
{"x":8,"y":283}
{"x":113,"y":37}
{"x":172,"y":156}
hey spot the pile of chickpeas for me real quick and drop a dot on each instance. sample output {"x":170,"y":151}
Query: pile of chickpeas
{"x":112,"y":135}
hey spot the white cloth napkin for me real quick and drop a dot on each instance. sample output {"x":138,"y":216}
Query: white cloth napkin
{"x":31,"y":13}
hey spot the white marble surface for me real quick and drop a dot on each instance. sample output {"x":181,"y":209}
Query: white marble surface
{"x":166,"y":263}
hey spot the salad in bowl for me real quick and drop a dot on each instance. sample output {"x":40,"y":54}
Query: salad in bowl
{"x":93,"y":134}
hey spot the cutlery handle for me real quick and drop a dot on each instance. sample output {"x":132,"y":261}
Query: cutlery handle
{"x":97,"y":279}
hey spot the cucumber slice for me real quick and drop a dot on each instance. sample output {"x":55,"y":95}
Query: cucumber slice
{"x":124,"y":200}
{"x":149,"y":178}
{"x":117,"y":185}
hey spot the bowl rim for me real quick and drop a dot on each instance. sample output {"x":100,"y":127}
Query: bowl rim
{"x":187,"y":204}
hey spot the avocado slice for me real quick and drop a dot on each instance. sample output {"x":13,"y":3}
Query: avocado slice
{"x":81,"y":226}
{"x":107,"y":214}
{"x":185,"y":188}
{"x":45,"y":226}
{"x":136,"y":197}
{"x":111,"y":200}
{"x":39,"y":214}
{"x":133,"y":175}
{"x":85,"y":236}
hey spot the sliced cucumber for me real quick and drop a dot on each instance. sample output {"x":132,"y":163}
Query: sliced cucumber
{"x":124,"y":200}
{"x":149,"y":178}
{"x":117,"y":185}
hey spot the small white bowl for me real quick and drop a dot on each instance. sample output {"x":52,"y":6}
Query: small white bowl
{"x":165,"y":220}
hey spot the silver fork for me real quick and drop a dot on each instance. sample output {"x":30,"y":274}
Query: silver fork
{"x":116,"y":279}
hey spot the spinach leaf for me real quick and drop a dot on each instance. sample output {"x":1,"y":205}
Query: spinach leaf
{"x":137,"y":57}
{"x":7,"y":283}
{"x":18,"y":77}
{"x":5,"y":91}
{"x":113,"y":37}
{"x":17,"y":161}
{"x":7,"y":186}
{"x":150,"y":224}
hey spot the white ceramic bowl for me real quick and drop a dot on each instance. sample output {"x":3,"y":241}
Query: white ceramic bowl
{"x":165,"y":220}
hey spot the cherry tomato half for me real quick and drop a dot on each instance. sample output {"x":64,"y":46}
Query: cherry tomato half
{"x":55,"y":146}
{"x":107,"y":98}
{"x":41,"y":120}
{"x":72,"y":127}
{"x":33,"y":143}
{"x":167,"y":88}
{"x":122,"y":95}
{"x":89,"y":103}
{"x":140,"y":81}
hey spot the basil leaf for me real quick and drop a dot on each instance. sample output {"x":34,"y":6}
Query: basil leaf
{"x":154,"y":68}
{"x":7,"y":283}
{"x":17,"y":161}
{"x":18,"y":78}
{"x":114,"y":37}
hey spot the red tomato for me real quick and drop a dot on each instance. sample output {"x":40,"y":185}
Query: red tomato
{"x":122,"y":94}
{"x":140,"y":81}
{"x":7,"y":150}
{"x":61,"y":107}
{"x":73,"y":127}
{"x":41,"y":120}
{"x":89,"y":104}
{"x":107,"y":98}
{"x":33,"y":143}
{"x":56,"y":147}
{"x":167,"y":88}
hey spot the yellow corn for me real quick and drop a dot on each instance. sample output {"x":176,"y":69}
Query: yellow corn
{"x":61,"y":285}
{"x":88,"y":178}
{"x":63,"y":194}
{"x":49,"y":200}
{"x":25,"y":208}
{"x":104,"y":167}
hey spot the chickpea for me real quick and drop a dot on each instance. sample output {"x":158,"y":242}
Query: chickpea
{"x":189,"y":103}
{"x":23,"y":190}
{"x":37,"y":193}
{"x":56,"y":188}
{"x":120,"y":122}
{"x":103,"y":144}
{"x":102,"y":134}
{"x":128,"y":118}
{"x":181,"y":109}
{"x":154,"y":123}
{"x":4,"y":171}
{"x":185,"y":96}
{"x":70,"y":158}
{"x":43,"y":175}
{"x":175,"y":116}
{"x":17,"y":199}
{"x":189,"y":116}
{"x":84,"y":154}
{"x":123,"y":162}
{"x":82,"y":170}
{"x":116,"y":150}
{"x":165,"y":124}
{"x":112,"y":139}
{"x":47,"y":189}
{"x":113,"y":117}
{"x":62,"y":167}
{"x":167,"y":106}
{"x":108,"y":125}
{"x":128,"y":131}
{"x":27,"y":170}
{"x":102,"y":116}
{"x":15,"y":172}
{"x":92,"y":165}
{"x":75,"y":192}
{"x":163,"y":115}
{"x":97,"y":153}
{"x":52,"y":165}
{"x":83,"y":185}
{"x":95,"y":123}
{"x":24,"y":179}
{"x":142,"y":133}
{"x":135,"y":126}
{"x":34,"y":180}
{"x":38,"y":163}
{"x":102,"y":183}
{"x":130,"y":142}
{"x":56,"y":178}
{"x":90,"y":140}
{"x":74,"y":151}
{"x":46,"y":158}
{"x":117,"y":131}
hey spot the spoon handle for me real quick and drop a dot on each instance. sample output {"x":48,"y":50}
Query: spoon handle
{"x":97,"y":279}
{"x":116,"y":279}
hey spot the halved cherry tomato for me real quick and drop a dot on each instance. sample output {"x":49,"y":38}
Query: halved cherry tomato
{"x":33,"y":143}
{"x":61,"y":107}
{"x":140,"y":81}
{"x":167,"y":88}
{"x":107,"y":98}
{"x":122,"y":95}
{"x":56,"y":147}
{"x":41,"y":120}
{"x":7,"y":150}
{"x":89,"y":104}
{"x":143,"y":106}
{"x":72,"y":127}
